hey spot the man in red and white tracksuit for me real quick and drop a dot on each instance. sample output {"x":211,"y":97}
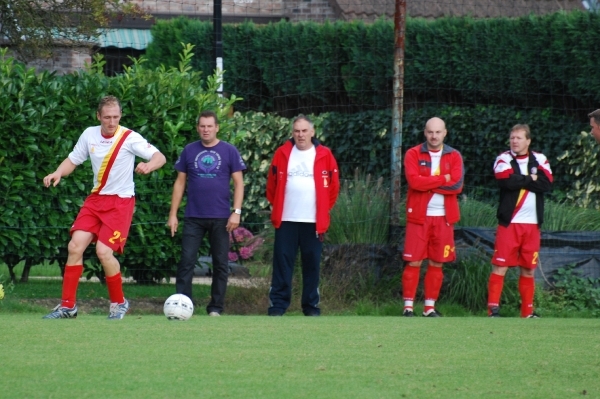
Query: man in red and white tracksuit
{"x":523,"y":177}
{"x":302,"y":187}
{"x":435,"y":173}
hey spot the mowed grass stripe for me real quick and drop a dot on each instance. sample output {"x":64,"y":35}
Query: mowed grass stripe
{"x":298,"y":357}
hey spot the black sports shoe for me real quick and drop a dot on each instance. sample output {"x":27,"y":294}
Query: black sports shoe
{"x":494,"y":311}
{"x":432,"y":313}
{"x":408,"y":313}
{"x":533,"y":316}
{"x":275,"y":314}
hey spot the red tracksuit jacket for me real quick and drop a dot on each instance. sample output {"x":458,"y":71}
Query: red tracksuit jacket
{"x":327,"y":183}
{"x":422,"y":186}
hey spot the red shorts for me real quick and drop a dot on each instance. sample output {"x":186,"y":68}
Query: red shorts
{"x":108,"y":217}
{"x":517,"y":245}
{"x":433,"y":240}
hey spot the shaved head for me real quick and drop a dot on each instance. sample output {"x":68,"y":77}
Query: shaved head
{"x":435,"y":123}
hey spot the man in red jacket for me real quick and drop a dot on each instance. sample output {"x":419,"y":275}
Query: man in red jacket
{"x":302,"y":187}
{"x":435,"y":175}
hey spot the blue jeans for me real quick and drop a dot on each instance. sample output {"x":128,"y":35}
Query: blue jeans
{"x":194,"y":230}
{"x":288,"y":237}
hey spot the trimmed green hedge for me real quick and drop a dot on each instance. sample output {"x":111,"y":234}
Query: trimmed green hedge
{"x":548,"y":61}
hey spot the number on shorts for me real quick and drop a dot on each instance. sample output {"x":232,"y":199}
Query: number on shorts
{"x":535,"y":258}
{"x":447,"y":250}
{"x":115,"y":237}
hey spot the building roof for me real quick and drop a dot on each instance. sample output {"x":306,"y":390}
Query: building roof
{"x":373,"y":9}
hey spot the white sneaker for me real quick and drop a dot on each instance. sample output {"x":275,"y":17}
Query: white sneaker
{"x":214,"y":314}
{"x":118,"y":310}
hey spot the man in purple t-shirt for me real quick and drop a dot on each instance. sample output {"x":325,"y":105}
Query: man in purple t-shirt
{"x":207,"y":167}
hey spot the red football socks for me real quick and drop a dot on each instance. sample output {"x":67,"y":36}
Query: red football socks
{"x":495,"y":285}
{"x":527,"y":290}
{"x":70,"y":283}
{"x":115,"y":288}
{"x":410,"y":281}
{"x":434,"y":278}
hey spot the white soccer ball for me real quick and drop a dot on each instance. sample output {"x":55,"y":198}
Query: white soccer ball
{"x":178,"y":307}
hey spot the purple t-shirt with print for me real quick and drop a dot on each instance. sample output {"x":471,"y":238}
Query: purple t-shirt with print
{"x":209,"y":172}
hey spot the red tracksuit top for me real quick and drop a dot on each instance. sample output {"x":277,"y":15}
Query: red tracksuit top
{"x":422,"y":186}
{"x":327,"y":183}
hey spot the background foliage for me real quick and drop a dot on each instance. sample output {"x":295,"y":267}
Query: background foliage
{"x":534,"y":61}
{"x":581,"y":161}
{"x":46,"y":113}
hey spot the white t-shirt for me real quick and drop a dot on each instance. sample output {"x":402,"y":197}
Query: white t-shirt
{"x":300,"y":200}
{"x":527,"y":213}
{"x":112,"y":174}
{"x":435,"y":207}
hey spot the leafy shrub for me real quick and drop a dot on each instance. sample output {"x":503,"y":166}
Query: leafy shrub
{"x":575,"y":292}
{"x":262,"y":133}
{"x":581,"y":161}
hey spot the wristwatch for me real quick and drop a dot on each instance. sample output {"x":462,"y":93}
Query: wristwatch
{"x":237,"y":211}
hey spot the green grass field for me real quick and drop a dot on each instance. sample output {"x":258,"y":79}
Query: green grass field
{"x":147,"y":356}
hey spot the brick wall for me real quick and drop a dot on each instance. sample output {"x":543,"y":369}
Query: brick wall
{"x":295,"y":10}
{"x":64,"y":60}
{"x":192,"y":7}
{"x":309,"y":10}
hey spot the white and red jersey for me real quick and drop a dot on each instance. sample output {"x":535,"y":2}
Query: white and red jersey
{"x":112,"y":158}
{"x":521,"y":197}
{"x":525,"y":212}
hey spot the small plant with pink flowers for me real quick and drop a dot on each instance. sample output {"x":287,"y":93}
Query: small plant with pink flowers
{"x":242,"y":244}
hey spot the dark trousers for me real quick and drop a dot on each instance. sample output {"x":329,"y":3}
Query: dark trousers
{"x":288,"y":237}
{"x":218,"y":237}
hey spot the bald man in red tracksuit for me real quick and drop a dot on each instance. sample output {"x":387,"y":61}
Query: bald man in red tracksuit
{"x":435,"y":175}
